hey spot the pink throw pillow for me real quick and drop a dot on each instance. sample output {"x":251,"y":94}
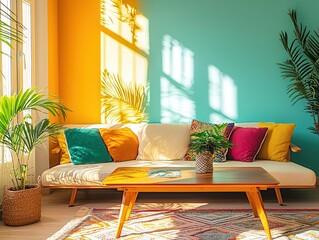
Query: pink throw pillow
{"x":247,"y":143}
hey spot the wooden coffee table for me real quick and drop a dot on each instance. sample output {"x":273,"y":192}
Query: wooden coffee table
{"x":132,"y":180}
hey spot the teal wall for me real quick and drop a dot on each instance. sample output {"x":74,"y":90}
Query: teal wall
{"x":240,"y":40}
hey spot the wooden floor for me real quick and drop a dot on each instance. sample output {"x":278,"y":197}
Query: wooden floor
{"x":56,"y":213}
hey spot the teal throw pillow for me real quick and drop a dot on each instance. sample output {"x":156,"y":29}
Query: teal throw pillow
{"x":86,"y":146}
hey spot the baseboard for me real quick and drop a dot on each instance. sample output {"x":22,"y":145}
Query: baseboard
{"x":46,"y":191}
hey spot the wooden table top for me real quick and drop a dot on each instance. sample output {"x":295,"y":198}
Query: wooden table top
{"x":139,"y":176}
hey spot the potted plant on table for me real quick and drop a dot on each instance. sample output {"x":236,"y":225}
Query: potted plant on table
{"x":21,"y":134}
{"x":205,"y":143}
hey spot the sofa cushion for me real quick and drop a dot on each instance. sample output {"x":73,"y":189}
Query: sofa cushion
{"x":276,"y":144}
{"x":247,"y":142}
{"x":86,"y":146}
{"x":122,"y":143}
{"x":289,"y":174}
{"x":163,"y":141}
{"x":198,"y":126}
{"x":65,"y":156}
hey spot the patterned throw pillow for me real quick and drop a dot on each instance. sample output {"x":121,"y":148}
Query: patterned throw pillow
{"x":198,"y":126}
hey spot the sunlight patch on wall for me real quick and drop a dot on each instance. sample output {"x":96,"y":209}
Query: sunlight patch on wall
{"x":125,"y":21}
{"x":142,"y":33}
{"x":177,"y":83}
{"x":124,"y":44}
{"x":222,"y":96}
{"x":119,"y":59}
{"x":124,"y":41}
{"x":176,"y":106}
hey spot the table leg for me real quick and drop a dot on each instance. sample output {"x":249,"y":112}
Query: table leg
{"x":252,"y":204}
{"x":128,"y":200}
{"x":258,"y":203}
{"x":131,"y":204}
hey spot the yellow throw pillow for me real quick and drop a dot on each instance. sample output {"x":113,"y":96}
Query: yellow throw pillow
{"x":276,"y":143}
{"x":122,"y":143}
{"x":65,"y":156}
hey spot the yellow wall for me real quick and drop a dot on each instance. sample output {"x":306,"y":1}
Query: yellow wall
{"x":53,"y":48}
{"x":53,"y":67}
{"x":79,"y":59}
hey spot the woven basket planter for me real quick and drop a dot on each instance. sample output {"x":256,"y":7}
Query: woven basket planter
{"x":204,"y":162}
{"x":22,"y":207}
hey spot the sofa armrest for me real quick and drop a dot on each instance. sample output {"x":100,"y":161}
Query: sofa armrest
{"x":294,"y":148}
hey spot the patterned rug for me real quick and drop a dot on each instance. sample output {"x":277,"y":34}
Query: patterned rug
{"x":209,"y":224}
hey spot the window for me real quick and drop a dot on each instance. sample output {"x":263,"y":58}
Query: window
{"x":27,"y":56}
{"x":6,"y":63}
{"x":16,"y":64}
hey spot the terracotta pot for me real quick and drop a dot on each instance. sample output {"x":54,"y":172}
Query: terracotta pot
{"x":204,"y":162}
{"x":22,"y":207}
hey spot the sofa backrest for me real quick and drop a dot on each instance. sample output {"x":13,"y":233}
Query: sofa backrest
{"x":247,"y":124}
{"x":135,"y":127}
{"x":162,"y":141}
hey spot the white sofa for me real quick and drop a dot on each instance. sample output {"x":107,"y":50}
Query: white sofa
{"x":164,"y":145}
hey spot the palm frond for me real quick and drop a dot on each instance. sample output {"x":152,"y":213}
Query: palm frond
{"x":313,"y":47}
{"x":10,"y":28}
{"x":302,"y":67}
{"x":122,"y":102}
{"x":34,"y":135}
{"x":30,"y":99}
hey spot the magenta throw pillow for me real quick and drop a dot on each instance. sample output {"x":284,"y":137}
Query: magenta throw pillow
{"x":247,"y":143}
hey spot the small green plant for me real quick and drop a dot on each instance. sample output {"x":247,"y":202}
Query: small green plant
{"x":209,"y":140}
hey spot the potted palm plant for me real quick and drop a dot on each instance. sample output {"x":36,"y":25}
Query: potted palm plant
{"x":205,"y":143}
{"x":302,"y":68}
{"x":21,"y":134}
